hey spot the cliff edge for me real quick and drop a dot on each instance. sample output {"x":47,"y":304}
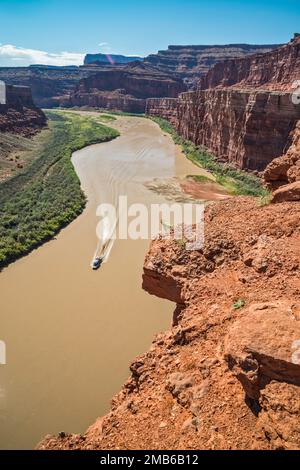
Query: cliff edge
{"x":18,"y":113}
{"x":227,"y":374}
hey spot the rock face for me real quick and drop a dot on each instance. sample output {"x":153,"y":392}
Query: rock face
{"x":166,"y":108}
{"x":124,"y":88}
{"x":264,"y":345}
{"x":46,"y":83}
{"x":275,"y":70}
{"x":116,"y":100}
{"x":190,"y":62}
{"x":289,"y":192}
{"x":285,"y":169}
{"x":235,"y":115}
{"x":247,"y":129}
{"x":226,"y":375}
{"x":282,"y":175}
{"x":19,"y":114}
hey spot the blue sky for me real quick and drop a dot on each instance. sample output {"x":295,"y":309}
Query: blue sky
{"x":62,"y":31}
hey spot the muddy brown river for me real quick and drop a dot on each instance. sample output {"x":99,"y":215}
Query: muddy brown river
{"x":71,"y":333}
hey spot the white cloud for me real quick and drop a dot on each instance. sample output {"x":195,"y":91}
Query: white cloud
{"x":13,"y":55}
{"x":105,"y":47}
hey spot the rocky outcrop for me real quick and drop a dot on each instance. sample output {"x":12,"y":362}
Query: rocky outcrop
{"x":285,"y":169}
{"x":125,"y":88}
{"x":257,"y":353}
{"x":289,"y":192}
{"x":282,"y":175}
{"x":19,"y":115}
{"x":275,"y":70}
{"x":226,"y":375}
{"x":190,"y":62}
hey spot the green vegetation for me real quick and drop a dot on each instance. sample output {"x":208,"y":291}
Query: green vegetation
{"x":239,"y":304}
{"x":106,"y":118}
{"x":123,"y":113}
{"x":46,"y":195}
{"x":201,"y":178}
{"x":237,"y":182}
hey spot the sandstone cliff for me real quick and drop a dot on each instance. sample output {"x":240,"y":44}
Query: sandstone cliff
{"x":190,"y":62}
{"x":247,"y":129}
{"x":19,"y":115}
{"x":275,"y":70}
{"x":227,"y":374}
{"x":248,"y":124}
{"x":282,"y":175}
{"x":124,"y":88}
{"x":46,"y":83}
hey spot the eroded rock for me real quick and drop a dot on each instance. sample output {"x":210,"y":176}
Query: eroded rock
{"x":289,"y":192}
{"x":264,"y":345}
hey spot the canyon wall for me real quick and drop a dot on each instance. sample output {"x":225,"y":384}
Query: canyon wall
{"x":117,"y":100}
{"x":167,"y":108}
{"x":51,"y":84}
{"x":247,"y":129}
{"x":243,"y":125}
{"x":46,"y":83}
{"x":190,"y":62}
{"x":276,"y":70}
{"x":19,"y":114}
{"x":124,"y":88}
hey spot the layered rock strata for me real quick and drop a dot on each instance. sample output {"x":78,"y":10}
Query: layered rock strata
{"x":19,"y":114}
{"x":246,"y":128}
{"x":190,"y":62}
{"x":125,"y":88}
{"x":236,"y":116}
{"x":48,"y":84}
{"x":275,"y":70}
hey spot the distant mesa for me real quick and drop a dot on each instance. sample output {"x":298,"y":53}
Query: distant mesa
{"x":109,"y":59}
{"x":45,"y":66}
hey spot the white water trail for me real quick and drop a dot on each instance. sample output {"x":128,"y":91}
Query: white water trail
{"x":119,"y":176}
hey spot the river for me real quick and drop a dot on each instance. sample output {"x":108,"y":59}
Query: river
{"x":71,"y":333}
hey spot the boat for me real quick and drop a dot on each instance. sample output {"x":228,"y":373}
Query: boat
{"x":96,"y":264}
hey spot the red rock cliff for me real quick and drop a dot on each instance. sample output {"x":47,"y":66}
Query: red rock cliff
{"x":227,"y":374}
{"x":190,"y":62}
{"x":275,"y":70}
{"x":19,"y":114}
{"x":125,"y":88}
{"x":243,"y":125}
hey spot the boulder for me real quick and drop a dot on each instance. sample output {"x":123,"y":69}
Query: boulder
{"x":288,"y":192}
{"x":264,"y":345}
